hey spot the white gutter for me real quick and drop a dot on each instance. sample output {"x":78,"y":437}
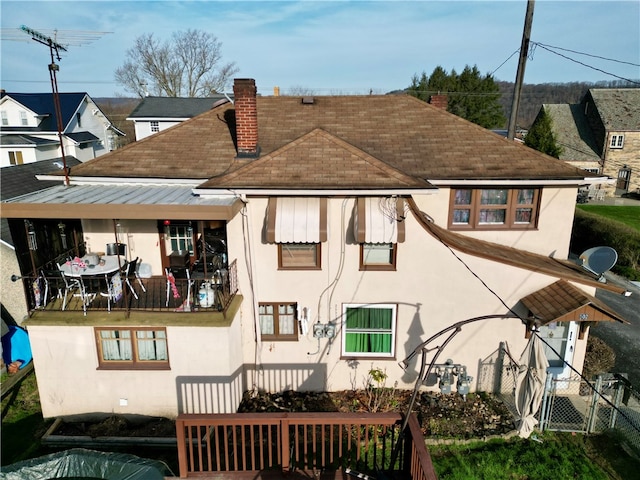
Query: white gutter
{"x":125,"y":181}
{"x":311,"y":193}
{"x":519,"y":182}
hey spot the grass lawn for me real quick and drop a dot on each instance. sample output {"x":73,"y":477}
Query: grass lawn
{"x":628,"y":215}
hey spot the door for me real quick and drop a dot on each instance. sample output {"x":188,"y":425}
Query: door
{"x":559,"y":344}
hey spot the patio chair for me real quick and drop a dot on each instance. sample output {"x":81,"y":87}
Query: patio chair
{"x":56,"y":279}
{"x":130,"y":274}
{"x":111,"y":287}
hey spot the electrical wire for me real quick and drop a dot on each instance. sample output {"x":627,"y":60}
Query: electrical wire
{"x":587,"y":54}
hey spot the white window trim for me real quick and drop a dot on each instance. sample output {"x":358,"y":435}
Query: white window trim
{"x":154,"y":126}
{"x":394,"y":319}
{"x":617,"y":142}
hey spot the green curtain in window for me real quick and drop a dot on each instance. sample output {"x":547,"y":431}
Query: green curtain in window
{"x":362,"y":327}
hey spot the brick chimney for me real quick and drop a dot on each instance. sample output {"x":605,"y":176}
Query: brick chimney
{"x":439,"y":101}
{"x":244,"y":91}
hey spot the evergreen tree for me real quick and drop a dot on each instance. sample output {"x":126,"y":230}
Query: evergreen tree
{"x":470,"y":94}
{"x":541,"y":137}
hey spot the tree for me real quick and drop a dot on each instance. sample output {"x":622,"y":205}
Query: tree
{"x":470,"y":95}
{"x":541,"y":137}
{"x":189,"y":65}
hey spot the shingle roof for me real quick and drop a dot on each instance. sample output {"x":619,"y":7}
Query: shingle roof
{"x":42,"y":104}
{"x":328,"y":163}
{"x":405,"y":133}
{"x":174,"y":107}
{"x":11,"y":140}
{"x":561,"y":298}
{"x":619,"y":108}
{"x":82,"y":137}
{"x":569,"y":124}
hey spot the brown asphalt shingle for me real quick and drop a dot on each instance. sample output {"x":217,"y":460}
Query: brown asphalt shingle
{"x":401,"y":131}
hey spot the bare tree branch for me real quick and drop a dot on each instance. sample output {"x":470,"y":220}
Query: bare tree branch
{"x":187,"y":66}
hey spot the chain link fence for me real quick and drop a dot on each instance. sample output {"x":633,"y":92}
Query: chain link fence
{"x":610,"y":403}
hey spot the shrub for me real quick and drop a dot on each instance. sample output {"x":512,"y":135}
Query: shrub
{"x":591,"y":230}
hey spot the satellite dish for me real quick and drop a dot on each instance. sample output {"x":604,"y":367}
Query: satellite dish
{"x":599,"y":259}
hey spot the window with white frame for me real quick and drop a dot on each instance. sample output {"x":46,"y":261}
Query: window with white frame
{"x":180,"y":238}
{"x":278,"y":321}
{"x":5,"y":118}
{"x":378,"y":256}
{"x":369,"y":330}
{"x":23,"y":118}
{"x":155,"y":126}
{"x":132,"y":348}
{"x":617,"y":141}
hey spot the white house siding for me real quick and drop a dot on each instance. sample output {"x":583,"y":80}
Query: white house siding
{"x":143,"y":127}
{"x":431,"y":287}
{"x":205,"y":374}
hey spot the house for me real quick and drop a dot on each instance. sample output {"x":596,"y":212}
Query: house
{"x":154,"y":114}
{"x":601,"y":134}
{"x":29,"y":131}
{"x":342,"y":232}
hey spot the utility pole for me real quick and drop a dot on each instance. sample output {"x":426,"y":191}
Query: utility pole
{"x":524,"y":51}
{"x":53,"y":68}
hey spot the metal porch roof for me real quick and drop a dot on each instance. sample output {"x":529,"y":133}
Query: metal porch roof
{"x":122,"y":201}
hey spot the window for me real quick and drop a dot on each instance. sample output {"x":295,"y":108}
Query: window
{"x":23,"y":119}
{"x":378,"y":256}
{"x":624,"y":178}
{"x":299,"y":256}
{"x":155,"y":126}
{"x":278,"y":321}
{"x":617,"y":141}
{"x":5,"y":119}
{"x":494,"y":208}
{"x":15,"y":158}
{"x":369,"y":330}
{"x":180,"y":238}
{"x":127,"y":348}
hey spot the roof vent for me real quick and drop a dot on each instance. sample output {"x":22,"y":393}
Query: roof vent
{"x":308,"y":100}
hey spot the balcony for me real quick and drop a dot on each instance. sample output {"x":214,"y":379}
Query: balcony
{"x":94,"y":296}
{"x":309,"y":445}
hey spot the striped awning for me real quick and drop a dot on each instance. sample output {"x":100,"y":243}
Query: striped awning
{"x":379,"y":220}
{"x":297,"y":220}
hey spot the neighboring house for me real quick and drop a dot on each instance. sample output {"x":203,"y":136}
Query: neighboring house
{"x":601,"y":134}
{"x":29,"y":128}
{"x":349,"y":229}
{"x":154,"y":114}
{"x":16,"y":181}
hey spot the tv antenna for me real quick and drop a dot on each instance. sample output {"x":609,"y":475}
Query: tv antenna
{"x":76,"y":38}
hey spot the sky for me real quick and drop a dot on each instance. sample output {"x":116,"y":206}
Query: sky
{"x":327,"y":47}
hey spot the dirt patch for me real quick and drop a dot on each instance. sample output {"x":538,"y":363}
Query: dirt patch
{"x":119,"y":426}
{"x":440,"y":415}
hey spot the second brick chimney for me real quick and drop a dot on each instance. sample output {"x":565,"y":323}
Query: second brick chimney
{"x":244,"y":92}
{"x":440,"y":101}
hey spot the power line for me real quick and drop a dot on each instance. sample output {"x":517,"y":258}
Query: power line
{"x":584,"y":64}
{"x":588,"y":54}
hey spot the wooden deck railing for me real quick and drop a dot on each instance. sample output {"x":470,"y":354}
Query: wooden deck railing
{"x":231,"y":444}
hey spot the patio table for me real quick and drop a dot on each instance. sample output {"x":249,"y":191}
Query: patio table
{"x":110,"y":265}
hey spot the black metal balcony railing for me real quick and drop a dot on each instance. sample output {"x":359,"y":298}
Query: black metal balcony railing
{"x":47,"y":291}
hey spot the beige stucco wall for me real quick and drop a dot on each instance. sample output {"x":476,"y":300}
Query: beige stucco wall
{"x":140,"y":236}
{"x":431,"y":287}
{"x":11,"y":293}
{"x":205,"y":374}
